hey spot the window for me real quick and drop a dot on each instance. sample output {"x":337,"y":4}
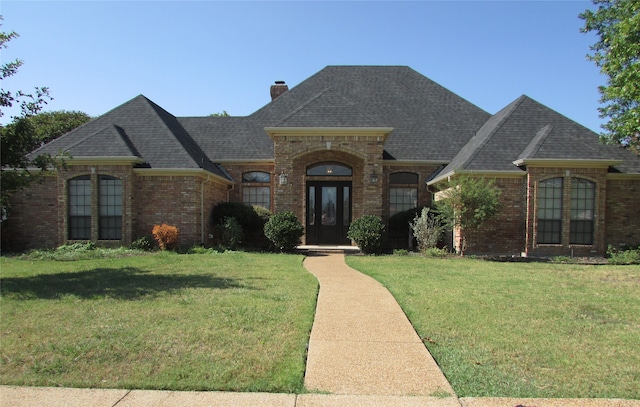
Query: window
{"x":330,"y":169}
{"x":260,"y":192}
{"x":550,"y":211}
{"x":403,"y":193}
{"x":80,"y":208}
{"x":110,"y":202}
{"x":582,"y":211}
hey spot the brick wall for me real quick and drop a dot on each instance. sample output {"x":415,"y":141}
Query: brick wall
{"x":293,"y":154}
{"x":181,"y":201}
{"x":39,"y":215}
{"x":623,"y":213}
{"x":33,"y":217}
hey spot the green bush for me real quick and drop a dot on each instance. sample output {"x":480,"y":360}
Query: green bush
{"x":250,"y":218}
{"x":145,"y":243}
{"x":427,"y":229}
{"x":629,"y":256}
{"x":231,"y":233}
{"x":368,"y":233}
{"x":436,"y":252}
{"x":284,"y":230}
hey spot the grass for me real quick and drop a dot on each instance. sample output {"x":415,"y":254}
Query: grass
{"x":521,"y":329}
{"x":230,"y":321}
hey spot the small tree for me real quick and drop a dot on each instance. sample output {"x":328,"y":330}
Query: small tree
{"x":467,"y":203}
{"x":427,"y":229}
{"x":368,"y":233}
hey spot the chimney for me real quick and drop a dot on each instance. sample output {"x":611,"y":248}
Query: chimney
{"x":278,"y":89}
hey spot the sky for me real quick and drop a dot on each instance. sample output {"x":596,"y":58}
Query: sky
{"x":195,"y":58}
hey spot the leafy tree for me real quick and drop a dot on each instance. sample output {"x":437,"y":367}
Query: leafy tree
{"x":617,"y":54}
{"x":19,"y":138}
{"x":223,"y":114}
{"x":467,"y":203}
{"x":51,"y":125}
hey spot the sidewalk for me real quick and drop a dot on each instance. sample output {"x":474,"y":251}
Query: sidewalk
{"x":362,"y":352}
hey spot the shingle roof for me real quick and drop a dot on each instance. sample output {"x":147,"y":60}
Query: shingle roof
{"x":526,"y":129}
{"x":138,"y":128}
{"x":430,"y":123}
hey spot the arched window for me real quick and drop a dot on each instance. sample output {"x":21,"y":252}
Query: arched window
{"x":550,"y":211}
{"x":583,"y":200}
{"x":403,"y":192}
{"x":110,"y":208}
{"x":80,"y":208}
{"x":331,"y":169}
{"x":256,"y":189}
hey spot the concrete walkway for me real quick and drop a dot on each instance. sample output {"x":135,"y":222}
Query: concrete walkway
{"x":361,"y":342}
{"x":362,"y":352}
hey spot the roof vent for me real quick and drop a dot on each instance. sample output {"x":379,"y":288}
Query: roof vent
{"x":278,"y":89}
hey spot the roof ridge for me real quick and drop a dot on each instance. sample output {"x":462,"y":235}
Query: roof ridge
{"x":302,"y":106}
{"x":109,"y":126}
{"x":536,"y":142}
{"x":507,"y":111}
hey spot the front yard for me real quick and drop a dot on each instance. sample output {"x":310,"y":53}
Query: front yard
{"x":230,"y":321}
{"x":521,"y":329}
{"x":240,"y":322}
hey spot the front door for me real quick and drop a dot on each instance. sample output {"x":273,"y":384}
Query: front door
{"x":328,"y":212}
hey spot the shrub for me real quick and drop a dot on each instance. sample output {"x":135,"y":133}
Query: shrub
{"x":284,"y":230}
{"x":400,"y":252}
{"x":436,"y":252}
{"x":251,"y":218}
{"x":629,"y":256}
{"x":368,"y":233}
{"x":427,"y":229}
{"x":231,"y":233}
{"x":165,"y":235}
{"x":145,"y":244}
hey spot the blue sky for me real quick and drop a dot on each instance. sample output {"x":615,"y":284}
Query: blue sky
{"x":199,"y":57}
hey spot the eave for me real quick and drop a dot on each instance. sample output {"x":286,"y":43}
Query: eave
{"x":90,"y":160}
{"x":380,"y":133}
{"x":181,"y":172}
{"x":566,"y":163}
{"x":479,"y":173}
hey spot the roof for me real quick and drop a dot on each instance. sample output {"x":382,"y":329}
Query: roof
{"x":429,"y":122}
{"x":138,"y":128}
{"x":526,"y":131}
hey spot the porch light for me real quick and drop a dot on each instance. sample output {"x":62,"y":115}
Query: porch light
{"x":374,"y":177}
{"x":283,"y":178}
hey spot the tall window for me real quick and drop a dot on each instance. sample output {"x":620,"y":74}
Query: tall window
{"x":582,"y":211}
{"x":550,"y":211}
{"x":80,"y":208}
{"x":403,"y":192}
{"x":110,"y":202}
{"x":256,"y":189}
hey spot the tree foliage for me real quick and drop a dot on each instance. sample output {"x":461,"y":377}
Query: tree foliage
{"x":468,"y":202}
{"x":18,"y":138}
{"x":617,"y":54}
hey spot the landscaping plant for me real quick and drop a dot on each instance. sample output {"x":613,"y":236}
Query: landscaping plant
{"x":165,"y":235}
{"x":427,"y":229}
{"x":284,"y":230}
{"x":368,"y":233}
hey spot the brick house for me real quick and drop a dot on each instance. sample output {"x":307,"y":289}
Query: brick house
{"x":348,"y":141}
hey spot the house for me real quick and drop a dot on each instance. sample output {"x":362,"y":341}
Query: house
{"x":348,"y":141}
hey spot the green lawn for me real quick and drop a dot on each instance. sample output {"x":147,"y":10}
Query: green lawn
{"x":230,"y":321}
{"x":521,"y":329}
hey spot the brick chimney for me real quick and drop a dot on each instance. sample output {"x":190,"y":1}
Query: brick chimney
{"x":278,"y":89}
